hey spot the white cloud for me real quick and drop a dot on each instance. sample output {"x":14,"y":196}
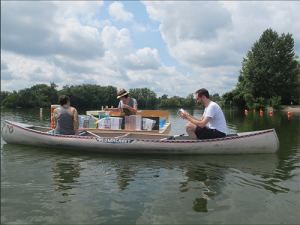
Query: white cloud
{"x":118,"y":41}
{"x":78,"y":8}
{"x":79,"y":41}
{"x":140,"y":27}
{"x":143,"y":59}
{"x":116,"y":10}
{"x":42,"y":34}
{"x":74,"y":43}
{"x":212,"y":38}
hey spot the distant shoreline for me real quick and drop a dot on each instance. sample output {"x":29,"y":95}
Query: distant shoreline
{"x":295,"y":108}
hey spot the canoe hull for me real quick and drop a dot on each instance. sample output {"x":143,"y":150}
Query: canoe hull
{"x":264,"y":142}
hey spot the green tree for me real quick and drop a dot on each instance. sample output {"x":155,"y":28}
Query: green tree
{"x":11,"y":101}
{"x":5,"y":94}
{"x":270,"y":68}
{"x":145,"y":97}
{"x":110,"y":94}
{"x":234,"y":98}
{"x":216,"y":97}
{"x":258,"y":103}
{"x":275,"y":102}
{"x":190,"y":101}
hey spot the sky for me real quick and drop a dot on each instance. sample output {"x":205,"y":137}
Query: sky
{"x":169,"y":47}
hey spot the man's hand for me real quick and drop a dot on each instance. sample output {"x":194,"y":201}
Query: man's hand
{"x":184,"y":115}
{"x":124,"y":106}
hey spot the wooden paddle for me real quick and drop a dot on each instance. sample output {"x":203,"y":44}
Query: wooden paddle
{"x":85,"y":131}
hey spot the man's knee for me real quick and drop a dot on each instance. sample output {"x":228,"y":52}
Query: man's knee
{"x":190,"y":127}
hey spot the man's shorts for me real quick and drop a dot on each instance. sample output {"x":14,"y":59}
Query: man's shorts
{"x":207,"y":133}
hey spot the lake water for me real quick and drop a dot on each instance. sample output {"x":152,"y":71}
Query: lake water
{"x":50,"y":186}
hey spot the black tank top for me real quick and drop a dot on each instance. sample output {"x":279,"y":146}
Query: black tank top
{"x":65,"y":123}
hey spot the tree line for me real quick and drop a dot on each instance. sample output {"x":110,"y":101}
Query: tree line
{"x":91,"y":96}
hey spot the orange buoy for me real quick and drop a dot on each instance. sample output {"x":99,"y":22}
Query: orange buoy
{"x":253,"y":110}
{"x":261,"y":113}
{"x":271,"y":113}
{"x":289,"y":113}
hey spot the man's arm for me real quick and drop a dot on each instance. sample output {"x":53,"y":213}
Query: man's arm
{"x":199,"y":122}
{"x":113,"y":109}
{"x":76,"y":121}
{"x":56,"y":113}
{"x":132,"y":109}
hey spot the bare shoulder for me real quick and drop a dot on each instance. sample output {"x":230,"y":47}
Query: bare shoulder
{"x":73,"y":110}
{"x":56,"y":111}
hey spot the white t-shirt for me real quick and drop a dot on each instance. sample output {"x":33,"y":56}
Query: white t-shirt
{"x":217,"y":120}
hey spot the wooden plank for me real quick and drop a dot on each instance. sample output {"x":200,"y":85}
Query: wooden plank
{"x":122,"y":131}
{"x":160,"y":131}
{"x":163,"y":114}
{"x":95,"y":112}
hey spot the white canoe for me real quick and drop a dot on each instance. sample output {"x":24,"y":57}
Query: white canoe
{"x":264,"y":141}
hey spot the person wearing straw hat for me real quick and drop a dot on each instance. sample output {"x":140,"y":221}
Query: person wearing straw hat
{"x":127,"y":106}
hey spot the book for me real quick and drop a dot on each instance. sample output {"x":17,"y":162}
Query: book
{"x":127,"y":122}
{"x":138,"y":122}
{"x":115,"y":123}
{"x":179,"y":112}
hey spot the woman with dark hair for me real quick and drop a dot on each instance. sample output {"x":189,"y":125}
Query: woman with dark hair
{"x":127,"y":106}
{"x":66,"y":117}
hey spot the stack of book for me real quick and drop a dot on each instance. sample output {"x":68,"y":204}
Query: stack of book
{"x":86,"y":122}
{"x":104,"y":123}
{"x":148,"y":124}
{"x":133,"y":122}
{"x":115,"y":123}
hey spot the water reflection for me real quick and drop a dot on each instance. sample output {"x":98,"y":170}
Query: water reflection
{"x":65,"y":173}
{"x":204,"y":174}
{"x":125,"y":176}
{"x":209,"y":173}
{"x":200,"y":204}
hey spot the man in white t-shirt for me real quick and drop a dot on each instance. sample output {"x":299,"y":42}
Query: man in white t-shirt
{"x":213,"y":116}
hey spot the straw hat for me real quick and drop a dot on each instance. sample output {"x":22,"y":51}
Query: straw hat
{"x":121,"y":92}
